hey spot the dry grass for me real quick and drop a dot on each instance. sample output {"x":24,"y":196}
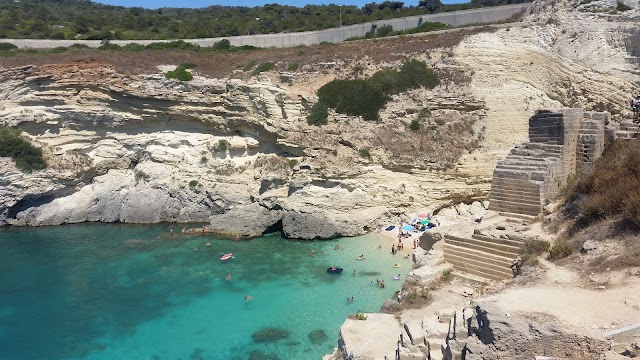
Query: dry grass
{"x":217,"y":64}
{"x":613,"y":187}
{"x":433,"y":146}
{"x":618,"y":245}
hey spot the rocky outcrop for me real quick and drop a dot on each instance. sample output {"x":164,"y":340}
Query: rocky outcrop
{"x":495,"y":335}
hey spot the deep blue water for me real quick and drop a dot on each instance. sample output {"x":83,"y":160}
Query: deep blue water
{"x":112,"y":291}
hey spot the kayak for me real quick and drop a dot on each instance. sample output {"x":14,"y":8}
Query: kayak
{"x":335,"y":271}
{"x":397,"y":265}
{"x":226,"y":256}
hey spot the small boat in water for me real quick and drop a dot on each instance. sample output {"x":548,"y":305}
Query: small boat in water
{"x":226,"y":256}
{"x":334,"y":270}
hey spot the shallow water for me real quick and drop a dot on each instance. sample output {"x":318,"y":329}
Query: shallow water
{"x":111,"y":291}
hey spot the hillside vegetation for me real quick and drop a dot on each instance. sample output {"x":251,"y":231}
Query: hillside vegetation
{"x":612,"y":189}
{"x":26,"y":156}
{"x":83,"y":19}
{"x":366,"y":97}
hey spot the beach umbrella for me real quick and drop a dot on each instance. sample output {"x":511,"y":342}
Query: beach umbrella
{"x":425,"y":221}
{"x":407,"y":227}
{"x":423,"y":216}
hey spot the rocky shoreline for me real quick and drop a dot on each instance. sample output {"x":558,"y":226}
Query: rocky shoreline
{"x":466,"y":317}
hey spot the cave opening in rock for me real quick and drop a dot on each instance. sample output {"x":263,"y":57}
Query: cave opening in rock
{"x":275,"y":228}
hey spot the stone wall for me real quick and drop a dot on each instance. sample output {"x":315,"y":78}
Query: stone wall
{"x":488,"y":15}
{"x":560,"y":142}
{"x":590,"y":139}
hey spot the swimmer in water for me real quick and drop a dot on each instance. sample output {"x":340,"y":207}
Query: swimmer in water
{"x":228,"y":278}
{"x":248,"y":297}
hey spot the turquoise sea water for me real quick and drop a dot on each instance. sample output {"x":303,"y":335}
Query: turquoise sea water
{"x":112,"y":291}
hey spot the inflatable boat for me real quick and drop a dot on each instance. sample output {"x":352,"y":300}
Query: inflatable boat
{"x":226,"y":256}
{"x":335,"y":270}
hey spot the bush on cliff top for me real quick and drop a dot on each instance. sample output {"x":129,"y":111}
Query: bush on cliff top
{"x":26,"y":156}
{"x":180,"y":73}
{"x":366,"y":97}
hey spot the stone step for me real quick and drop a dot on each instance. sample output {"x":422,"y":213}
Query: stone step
{"x":528,"y":198}
{"x":527,"y":168}
{"x":491,"y":260}
{"x":514,"y":207}
{"x":498,"y":187}
{"x":518,"y":218}
{"x":507,"y":199}
{"x":621,"y":134}
{"x":481,"y":245}
{"x":470,"y":278}
{"x":499,"y":241}
{"x":475,"y":268}
{"x":523,"y":184}
{"x":514,"y":191}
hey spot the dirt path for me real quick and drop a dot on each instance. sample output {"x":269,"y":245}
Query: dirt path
{"x":588,"y":311}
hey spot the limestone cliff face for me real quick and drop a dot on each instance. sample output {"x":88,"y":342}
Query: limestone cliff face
{"x":240,"y":155}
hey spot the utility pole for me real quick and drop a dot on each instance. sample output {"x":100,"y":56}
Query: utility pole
{"x":340,"y":7}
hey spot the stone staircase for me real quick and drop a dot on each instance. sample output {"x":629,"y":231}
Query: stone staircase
{"x":485,"y":256}
{"x":627,"y":130}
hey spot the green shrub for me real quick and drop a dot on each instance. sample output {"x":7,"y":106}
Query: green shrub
{"x":427,"y":27}
{"x":559,"y":250}
{"x":203,"y":160}
{"x":387,"y":80}
{"x":353,"y":97}
{"x":223,"y":146}
{"x":293,"y":67}
{"x":79,"y":46}
{"x":107,"y":46}
{"x":179,"y":73}
{"x":366,"y":97}
{"x":622,"y":7}
{"x":384,"y":31}
{"x":415,"y":125}
{"x":424,"y":113}
{"x":249,"y":66}
{"x":319,"y":114}
{"x":415,"y":73}
{"x":58,"y":50}
{"x":193,"y":183}
{"x":265,"y":66}
{"x":58,"y":35}
{"x":26,"y":156}
{"x":7,"y":46}
{"x":533,"y":249}
{"x":174,"y":45}
{"x":285,"y":79}
{"x":364,"y":153}
{"x":440,"y":121}
{"x":293,"y":163}
{"x":133,"y":47}
{"x":446,"y":275}
{"x":223,"y":44}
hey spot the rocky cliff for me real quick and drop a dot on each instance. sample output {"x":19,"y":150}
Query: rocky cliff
{"x":237,"y":152}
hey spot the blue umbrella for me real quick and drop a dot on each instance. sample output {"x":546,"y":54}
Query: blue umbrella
{"x":407,"y":227}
